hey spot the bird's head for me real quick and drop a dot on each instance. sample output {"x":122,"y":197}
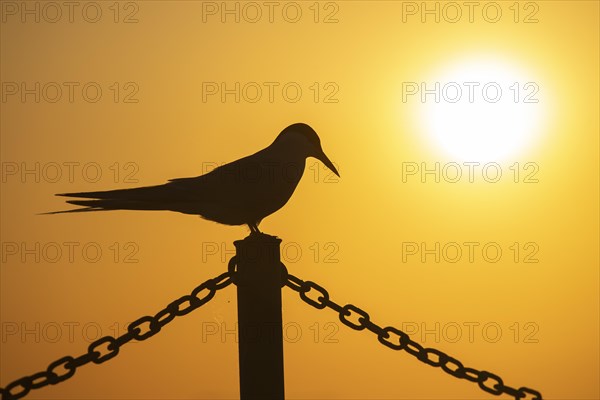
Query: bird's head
{"x":302,"y":139}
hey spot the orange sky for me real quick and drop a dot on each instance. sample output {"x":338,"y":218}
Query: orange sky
{"x":172,"y":89}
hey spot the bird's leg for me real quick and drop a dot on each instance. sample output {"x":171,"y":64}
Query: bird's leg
{"x":254,"y":228}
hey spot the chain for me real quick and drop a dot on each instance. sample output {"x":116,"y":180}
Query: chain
{"x":395,"y":339}
{"x":108,"y":347}
{"x":145,"y":327}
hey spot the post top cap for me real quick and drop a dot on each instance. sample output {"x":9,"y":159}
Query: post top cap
{"x":255,"y":237}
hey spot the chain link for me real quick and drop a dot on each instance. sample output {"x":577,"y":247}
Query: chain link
{"x":108,"y":347}
{"x":358,"y":319}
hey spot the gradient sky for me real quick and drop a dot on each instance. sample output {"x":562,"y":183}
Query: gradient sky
{"x":371,"y":238}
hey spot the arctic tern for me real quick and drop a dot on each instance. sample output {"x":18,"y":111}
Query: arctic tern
{"x":244,"y":191}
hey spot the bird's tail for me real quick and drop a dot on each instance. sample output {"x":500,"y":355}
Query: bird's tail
{"x":142,"y":198}
{"x":73,"y":210}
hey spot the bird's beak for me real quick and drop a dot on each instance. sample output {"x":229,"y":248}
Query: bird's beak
{"x":325,"y":160}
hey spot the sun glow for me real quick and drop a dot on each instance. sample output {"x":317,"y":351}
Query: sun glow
{"x":482,"y":110}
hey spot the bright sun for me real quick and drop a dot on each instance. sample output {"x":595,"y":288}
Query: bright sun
{"x":481,"y":110}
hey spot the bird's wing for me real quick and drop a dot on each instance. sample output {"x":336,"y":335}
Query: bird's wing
{"x":225,"y":182}
{"x":227,"y":185}
{"x":160,"y":197}
{"x":180,"y":194}
{"x":149,"y":193}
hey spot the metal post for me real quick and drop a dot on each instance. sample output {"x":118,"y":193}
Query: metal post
{"x":259,"y":280}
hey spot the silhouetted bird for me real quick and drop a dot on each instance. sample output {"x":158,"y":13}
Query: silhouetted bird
{"x":241,"y":192}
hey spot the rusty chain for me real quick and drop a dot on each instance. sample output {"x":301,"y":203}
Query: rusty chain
{"x":108,"y":347}
{"x":397,"y":340}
